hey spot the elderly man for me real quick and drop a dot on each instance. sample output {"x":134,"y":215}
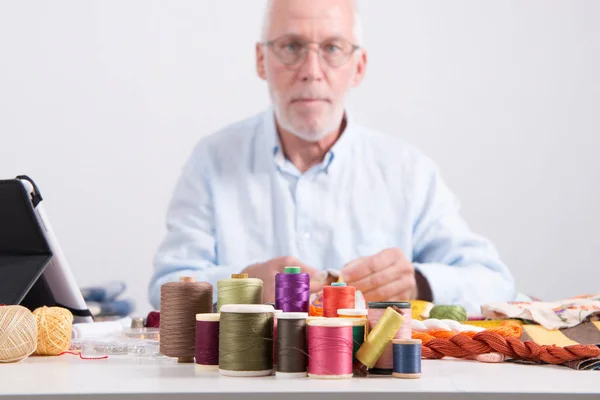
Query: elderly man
{"x":303,"y":184}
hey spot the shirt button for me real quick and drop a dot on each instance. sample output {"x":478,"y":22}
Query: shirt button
{"x":307,"y":236}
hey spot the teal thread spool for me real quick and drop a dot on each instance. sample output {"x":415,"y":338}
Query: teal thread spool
{"x":239,"y":290}
{"x":359,"y":326}
{"x":246,"y":340}
{"x":455,"y":313}
{"x":359,"y":333}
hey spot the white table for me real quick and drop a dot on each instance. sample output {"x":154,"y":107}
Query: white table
{"x":123,"y":377}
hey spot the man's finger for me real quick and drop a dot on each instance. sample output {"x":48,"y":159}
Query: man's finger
{"x":356,"y":269}
{"x":316,"y":286}
{"x":377,"y":279}
{"x":364,"y":266}
{"x":397,"y":289}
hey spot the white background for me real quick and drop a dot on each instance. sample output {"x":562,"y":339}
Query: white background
{"x":102,"y":101}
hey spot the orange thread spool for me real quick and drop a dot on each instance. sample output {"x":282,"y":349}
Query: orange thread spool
{"x":337,"y":296}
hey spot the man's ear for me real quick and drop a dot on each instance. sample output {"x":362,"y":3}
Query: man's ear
{"x":260,"y":61}
{"x":361,"y":68}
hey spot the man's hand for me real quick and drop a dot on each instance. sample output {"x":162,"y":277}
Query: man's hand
{"x":385,"y":276}
{"x":267,"y":271}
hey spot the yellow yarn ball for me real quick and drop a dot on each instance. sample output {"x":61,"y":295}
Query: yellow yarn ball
{"x":54,"y":330}
{"x":420,"y":309}
{"x":18,"y":333}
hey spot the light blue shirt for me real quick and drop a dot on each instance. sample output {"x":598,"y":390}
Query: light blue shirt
{"x":239,"y":201}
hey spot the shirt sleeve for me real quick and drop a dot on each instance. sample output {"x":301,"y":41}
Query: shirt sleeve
{"x":189,"y":248}
{"x":460,"y":266}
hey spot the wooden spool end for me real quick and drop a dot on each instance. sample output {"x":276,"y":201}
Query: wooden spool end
{"x":186,"y":279}
{"x":406,"y":376}
{"x":239,"y":276}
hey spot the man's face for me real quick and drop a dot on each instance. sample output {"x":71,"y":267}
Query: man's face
{"x":309,"y":95}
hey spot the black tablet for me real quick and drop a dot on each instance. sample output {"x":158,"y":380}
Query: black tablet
{"x":33,"y":269}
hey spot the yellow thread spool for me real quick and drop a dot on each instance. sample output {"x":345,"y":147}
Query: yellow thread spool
{"x":377,"y":340}
{"x":54,"y":330}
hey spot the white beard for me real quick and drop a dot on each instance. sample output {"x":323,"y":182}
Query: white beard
{"x":305,"y":133}
{"x":299,"y":129}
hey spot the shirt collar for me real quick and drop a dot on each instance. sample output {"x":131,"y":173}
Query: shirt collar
{"x":338,"y":150}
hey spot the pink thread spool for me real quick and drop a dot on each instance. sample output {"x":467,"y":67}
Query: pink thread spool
{"x":330,"y":348}
{"x":385,"y":364}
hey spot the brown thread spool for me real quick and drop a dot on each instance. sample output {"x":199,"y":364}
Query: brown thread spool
{"x":179,"y":304}
{"x":291,"y":352}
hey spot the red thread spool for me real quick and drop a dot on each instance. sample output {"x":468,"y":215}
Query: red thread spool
{"x":330,"y":348}
{"x":385,"y":363}
{"x":337,"y":296}
{"x":207,"y":342}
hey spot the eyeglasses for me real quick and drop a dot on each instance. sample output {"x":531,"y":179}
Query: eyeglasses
{"x":291,"y":50}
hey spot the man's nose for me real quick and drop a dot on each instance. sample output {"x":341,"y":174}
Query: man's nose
{"x":311,"y":68}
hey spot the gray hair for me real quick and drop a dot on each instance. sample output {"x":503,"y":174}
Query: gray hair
{"x":358,"y":28}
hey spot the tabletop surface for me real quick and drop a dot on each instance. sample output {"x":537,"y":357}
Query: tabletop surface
{"x":122,"y":377}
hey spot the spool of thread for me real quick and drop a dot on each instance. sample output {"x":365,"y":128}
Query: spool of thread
{"x":455,"y":313}
{"x":246,"y":340}
{"x":384,"y":364}
{"x":18,"y":333}
{"x":352,"y":313}
{"x":292,"y":290}
{"x":239,"y":290}
{"x":330,"y":348}
{"x":207,"y":342}
{"x":377,"y":340}
{"x":337,"y":296}
{"x":137,"y":323}
{"x":276,"y":313}
{"x":54,"y":326}
{"x":407,"y":358}
{"x":359,"y":334}
{"x":292,"y":354}
{"x":179,"y":304}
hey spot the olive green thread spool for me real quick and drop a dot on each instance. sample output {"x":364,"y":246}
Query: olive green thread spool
{"x":455,"y":313}
{"x":239,"y":290}
{"x":246,"y":340}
